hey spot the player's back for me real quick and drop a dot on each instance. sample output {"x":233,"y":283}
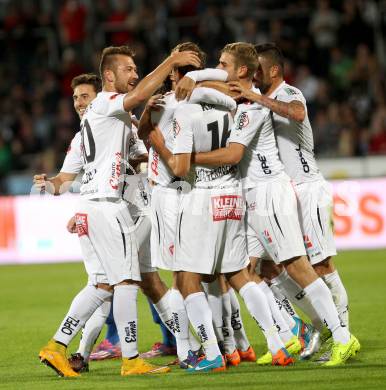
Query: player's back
{"x":105,"y":130}
{"x":203,"y":128}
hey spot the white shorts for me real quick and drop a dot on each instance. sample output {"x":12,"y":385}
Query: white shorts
{"x":142,"y":233}
{"x":315,"y":214}
{"x":108,"y":242}
{"x":210,"y":232}
{"x":254,"y":247}
{"x":164,"y":214}
{"x":273,"y":215}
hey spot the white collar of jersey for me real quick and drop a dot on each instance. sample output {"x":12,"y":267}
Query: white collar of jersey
{"x":273,"y":94}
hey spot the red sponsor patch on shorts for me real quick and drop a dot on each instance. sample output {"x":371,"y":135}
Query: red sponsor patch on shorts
{"x":81,"y":224}
{"x":307,"y":241}
{"x":227,"y":207}
{"x":171,"y":249}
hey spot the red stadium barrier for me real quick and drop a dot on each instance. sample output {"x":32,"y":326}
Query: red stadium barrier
{"x":33,"y":228}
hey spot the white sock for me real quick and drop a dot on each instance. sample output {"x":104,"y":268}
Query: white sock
{"x":339,"y":295}
{"x":126,"y":318}
{"x":213,"y":292}
{"x":287,"y":310}
{"x":281,"y":324}
{"x":321,"y":299}
{"x":258,"y":307}
{"x":93,"y":328}
{"x":163,"y":309}
{"x":297,"y":295}
{"x":200,"y":317}
{"x":81,"y":309}
{"x":180,"y":323}
{"x":239,"y":334}
{"x":227,"y":330}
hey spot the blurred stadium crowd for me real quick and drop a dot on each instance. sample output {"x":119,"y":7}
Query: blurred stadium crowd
{"x":335,"y":52}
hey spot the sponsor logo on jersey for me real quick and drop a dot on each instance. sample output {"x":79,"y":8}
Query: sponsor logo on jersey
{"x":81,"y":224}
{"x":264,"y":164}
{"x":116,"y":171}
{"x":69,"y":325}
{"x":176,"y":128}
{"x":205,"y":174}
{"x":242,"y":121}
{"x":88,"y":176}
{"x":227,"y":207}
{"x":290,"y":91}
{"x":154,"y":163}
{"x":206,"y":106}
{"x":131,"y":332}
{"x":303,"y":161}
{"x":112,"y":97}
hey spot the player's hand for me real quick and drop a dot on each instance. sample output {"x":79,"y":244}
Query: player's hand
{"x":40,"y":182}
{"x":155,"y":103}
{"x":183,"y":58}
{"x":242,"y":92}
{"x":156,"y":139}
{"x":184,"y":88}
{"x":71,"y":225}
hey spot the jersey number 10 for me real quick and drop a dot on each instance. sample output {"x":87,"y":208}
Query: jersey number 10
{"x":88,"y":149}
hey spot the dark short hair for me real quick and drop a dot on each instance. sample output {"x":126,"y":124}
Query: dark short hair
{"x":87,"y":78}
{"x":109,"y":55}
{"x":272,"y":52}
{"x":190,"y":46}
{"x":244,"y":54}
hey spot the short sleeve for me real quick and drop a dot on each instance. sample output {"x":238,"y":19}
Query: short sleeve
{"x":246,"y":124}
{"x":73,"y":162}
{"x":183,"y":132}
{"x":289,"y":94}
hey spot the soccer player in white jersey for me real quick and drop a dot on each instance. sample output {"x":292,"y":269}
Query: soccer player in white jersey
{"x":85,"y":88}
{"x":210,"y":235}
{"x":166,"y":193}
{"x":103,"y":217}
{"x":296,"y":148}
{"x":272,"y":207}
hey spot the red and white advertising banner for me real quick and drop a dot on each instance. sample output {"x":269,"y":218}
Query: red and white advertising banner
{"x":33,"y":228}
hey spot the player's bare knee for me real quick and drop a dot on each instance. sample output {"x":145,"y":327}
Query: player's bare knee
{"x":270,"y":269}
{"x":324,"y":267}
{"x":105,"y":287}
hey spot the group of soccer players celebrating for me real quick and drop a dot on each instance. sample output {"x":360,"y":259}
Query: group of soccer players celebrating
{"x":232,"y":201}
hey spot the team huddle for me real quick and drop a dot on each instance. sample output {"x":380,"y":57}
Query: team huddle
{"x":232,"y":201}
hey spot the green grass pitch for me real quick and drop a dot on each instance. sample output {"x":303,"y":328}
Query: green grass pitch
{"x":34,"y":299}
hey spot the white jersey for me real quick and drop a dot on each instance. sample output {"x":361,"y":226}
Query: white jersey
{"x":295,"y":139}
{"x":253,"y":129}
{"x":202,"y":128}
{"x":105,"y":130}
{"x":158,"y":171}
{"x":73,"y":162}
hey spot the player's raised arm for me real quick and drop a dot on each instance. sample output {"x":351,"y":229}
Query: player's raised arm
{"x":186,"y":85}
{"x":293,"y":109}
{"x":152,"y":81}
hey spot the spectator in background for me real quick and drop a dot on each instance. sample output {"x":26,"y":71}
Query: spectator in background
{"x":72,"y":25}
{"x":324,"y":25}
